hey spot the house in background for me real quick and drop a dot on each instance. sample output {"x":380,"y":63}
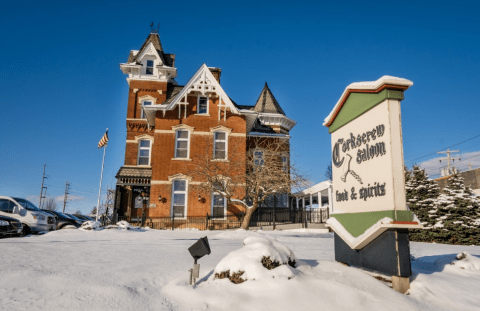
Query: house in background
{"x":168,"y":124}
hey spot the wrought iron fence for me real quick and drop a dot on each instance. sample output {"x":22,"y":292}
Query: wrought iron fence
{"x":263,"y":216}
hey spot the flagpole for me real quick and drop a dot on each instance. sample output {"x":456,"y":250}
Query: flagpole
{"x":101,"y":178}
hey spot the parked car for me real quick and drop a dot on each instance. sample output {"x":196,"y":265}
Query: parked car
{"x":83,"y":217}
{"x":32,"y":218}
{"x":64,"y":221}
{"x":75,"y":217}
{"x":10,"y":227}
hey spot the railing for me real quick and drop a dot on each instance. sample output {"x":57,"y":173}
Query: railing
{"x":190,"y":222}
{"x":261,"y":217}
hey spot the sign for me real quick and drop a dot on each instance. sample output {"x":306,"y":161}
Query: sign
{"x":367,"y":151}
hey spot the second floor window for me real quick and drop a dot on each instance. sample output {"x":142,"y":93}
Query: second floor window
{"x":181,"y":144}
{"x":144,"y":152}
{"x":258,"y":158}
{"x":149,"y":69}
{"x":145,"y":103}
{"x":219,"y":145}
{"x":284,"y":163}
{"x":202,"y":105}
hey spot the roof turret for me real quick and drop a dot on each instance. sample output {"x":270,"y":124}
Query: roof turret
{"x":266,"y":102}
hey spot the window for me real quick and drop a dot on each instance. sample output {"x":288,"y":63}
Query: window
{"x":145,"y":103}
{"x":258,"y":158}
{"x":219,"y":145}
{"x":202,"y":106}
{"x":149,"y":69}
{"x":6,"y":206}
{"x":218,"y":205}
{"x":144,"y":147}
{"x":284,"y":163}
{"x":181,"y":144}
{"x":179,"y":197}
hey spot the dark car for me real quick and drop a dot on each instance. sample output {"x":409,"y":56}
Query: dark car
{"x":83,"y":217}
{"x":63,"y":220}
{"x":10,"y":227}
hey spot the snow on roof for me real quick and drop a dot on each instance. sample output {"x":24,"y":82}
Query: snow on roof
{"x":316,"y":188}
{"x":366,"y":85}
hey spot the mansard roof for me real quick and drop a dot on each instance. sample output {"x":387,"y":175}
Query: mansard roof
{"x":154,"y":38}
{"x":266,"y":102}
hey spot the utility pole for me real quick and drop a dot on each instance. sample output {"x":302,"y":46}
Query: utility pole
{"x":448,"y":158}
{"x":42,"y":187}
{"x":67,"y":188}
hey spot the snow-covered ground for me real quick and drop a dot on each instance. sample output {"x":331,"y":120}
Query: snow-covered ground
{"x":132,"y":270}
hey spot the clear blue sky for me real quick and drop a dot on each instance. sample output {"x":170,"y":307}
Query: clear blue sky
{"x":61,"y":85}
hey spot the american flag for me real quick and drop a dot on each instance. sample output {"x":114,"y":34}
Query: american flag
{"x":104,"y":140}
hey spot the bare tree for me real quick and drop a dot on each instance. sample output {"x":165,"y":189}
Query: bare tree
{"x":249,"y":178}
{"x":50,"y":204}
{"x":328,"y":172}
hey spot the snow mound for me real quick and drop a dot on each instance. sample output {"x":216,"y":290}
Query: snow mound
{"x":125,"y":225}
{"x":90,"y":225}
{"x":235,"y":234}
{"x":466,"y":261}
{"x":261,"y":257}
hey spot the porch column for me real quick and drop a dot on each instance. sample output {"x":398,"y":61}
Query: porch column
{"x":330,"y":201}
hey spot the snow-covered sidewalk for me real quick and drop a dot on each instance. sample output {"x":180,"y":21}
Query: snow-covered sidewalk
{"x":134,"y":270}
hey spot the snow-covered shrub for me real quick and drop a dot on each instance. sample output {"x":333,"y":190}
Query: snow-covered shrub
{"x":125,"y":225}
{"x":466,"y":261}
{"x":259,"y":258}
{"x":90,"y":225}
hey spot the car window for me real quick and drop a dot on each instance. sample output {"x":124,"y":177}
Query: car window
{"x":6,"y":206}
{"x":27,"y":204}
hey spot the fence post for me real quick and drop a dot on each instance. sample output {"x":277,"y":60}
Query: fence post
{"x":173,"y":221}
{"x":274,"y":210}
{"x":206,"y":222}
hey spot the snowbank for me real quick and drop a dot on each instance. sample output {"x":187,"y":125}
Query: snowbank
{"x":90,"y":225}
{"x":466,"y":261}
{"x":259,"y":258}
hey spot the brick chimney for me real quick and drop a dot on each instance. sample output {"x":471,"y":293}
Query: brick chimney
{"x":216,"y":73}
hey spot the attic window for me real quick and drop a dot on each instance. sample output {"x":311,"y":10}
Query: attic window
{"x":202,"y":107}
{"x":149,"y":70}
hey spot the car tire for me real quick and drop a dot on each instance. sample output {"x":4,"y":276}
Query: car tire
{"x":25,"y":231}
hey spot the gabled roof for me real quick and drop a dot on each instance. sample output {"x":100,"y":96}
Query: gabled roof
{"x":154,"y":38}
{"x":266,"y":102}
{"x":203,"y":81}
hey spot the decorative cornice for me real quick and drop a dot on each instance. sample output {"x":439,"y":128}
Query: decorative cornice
{"x":221,"y":128}
{"x":179,"y":176}
{"x":147,"y":97}
{"x":183,"y":127}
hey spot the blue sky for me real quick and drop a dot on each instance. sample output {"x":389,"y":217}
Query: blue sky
{"x":61,"y":85}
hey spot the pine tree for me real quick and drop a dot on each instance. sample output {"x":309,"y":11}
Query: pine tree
{"x":455,"y":219}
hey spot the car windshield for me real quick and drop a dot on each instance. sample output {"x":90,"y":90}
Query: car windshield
{"x":27,"y":204}
{"x":73,"y":217}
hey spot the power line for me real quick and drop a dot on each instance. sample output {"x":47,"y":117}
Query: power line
{"x":442,"y":148}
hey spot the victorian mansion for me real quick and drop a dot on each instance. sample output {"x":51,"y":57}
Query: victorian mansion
{"x":167,"y":125}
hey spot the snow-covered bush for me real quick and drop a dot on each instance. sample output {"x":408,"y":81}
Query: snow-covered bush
{"x":259,"y":258}
{"x":90,"y":225}
{"x":466,"y":261}
{"x":125,"y":225}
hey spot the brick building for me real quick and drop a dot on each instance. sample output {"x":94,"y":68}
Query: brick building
{"x":168,"y":124}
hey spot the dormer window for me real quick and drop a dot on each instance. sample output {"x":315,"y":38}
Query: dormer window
{"x":202,"y":106}
{"x":149,"y":69}
{"x":145,"y":103}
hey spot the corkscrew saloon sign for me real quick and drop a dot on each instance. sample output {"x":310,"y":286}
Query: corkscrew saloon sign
{"x":367,"y":166}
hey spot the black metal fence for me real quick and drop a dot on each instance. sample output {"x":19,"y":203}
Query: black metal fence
{"x":263,"y":216}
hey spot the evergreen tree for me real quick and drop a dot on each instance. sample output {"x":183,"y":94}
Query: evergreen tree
{"x":421,"y":193}
{"x":455,"y":218}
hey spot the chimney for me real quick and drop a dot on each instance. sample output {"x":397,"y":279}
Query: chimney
{"x":216,"y":73}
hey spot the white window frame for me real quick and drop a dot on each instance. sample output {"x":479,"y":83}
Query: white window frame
{"x":147,"y":67}
{"x":185,"y":192}
{"x":143,"y":116}
{"x":214,"y":193}
{"x":139,"y":148}
{"x":255,"y":157}
{"x":182,"y":139}
{"x":198,"y":105}
{"x":220,"y":140}
{"x":285,"y":165}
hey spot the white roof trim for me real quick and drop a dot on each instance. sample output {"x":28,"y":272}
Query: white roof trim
{"x":368,"y":85}
{"x":315,"y":188}
{"x":149,"y":47}
{"x":203,"y":73}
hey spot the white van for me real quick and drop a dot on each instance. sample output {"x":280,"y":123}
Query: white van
{"x":32,"y":218}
